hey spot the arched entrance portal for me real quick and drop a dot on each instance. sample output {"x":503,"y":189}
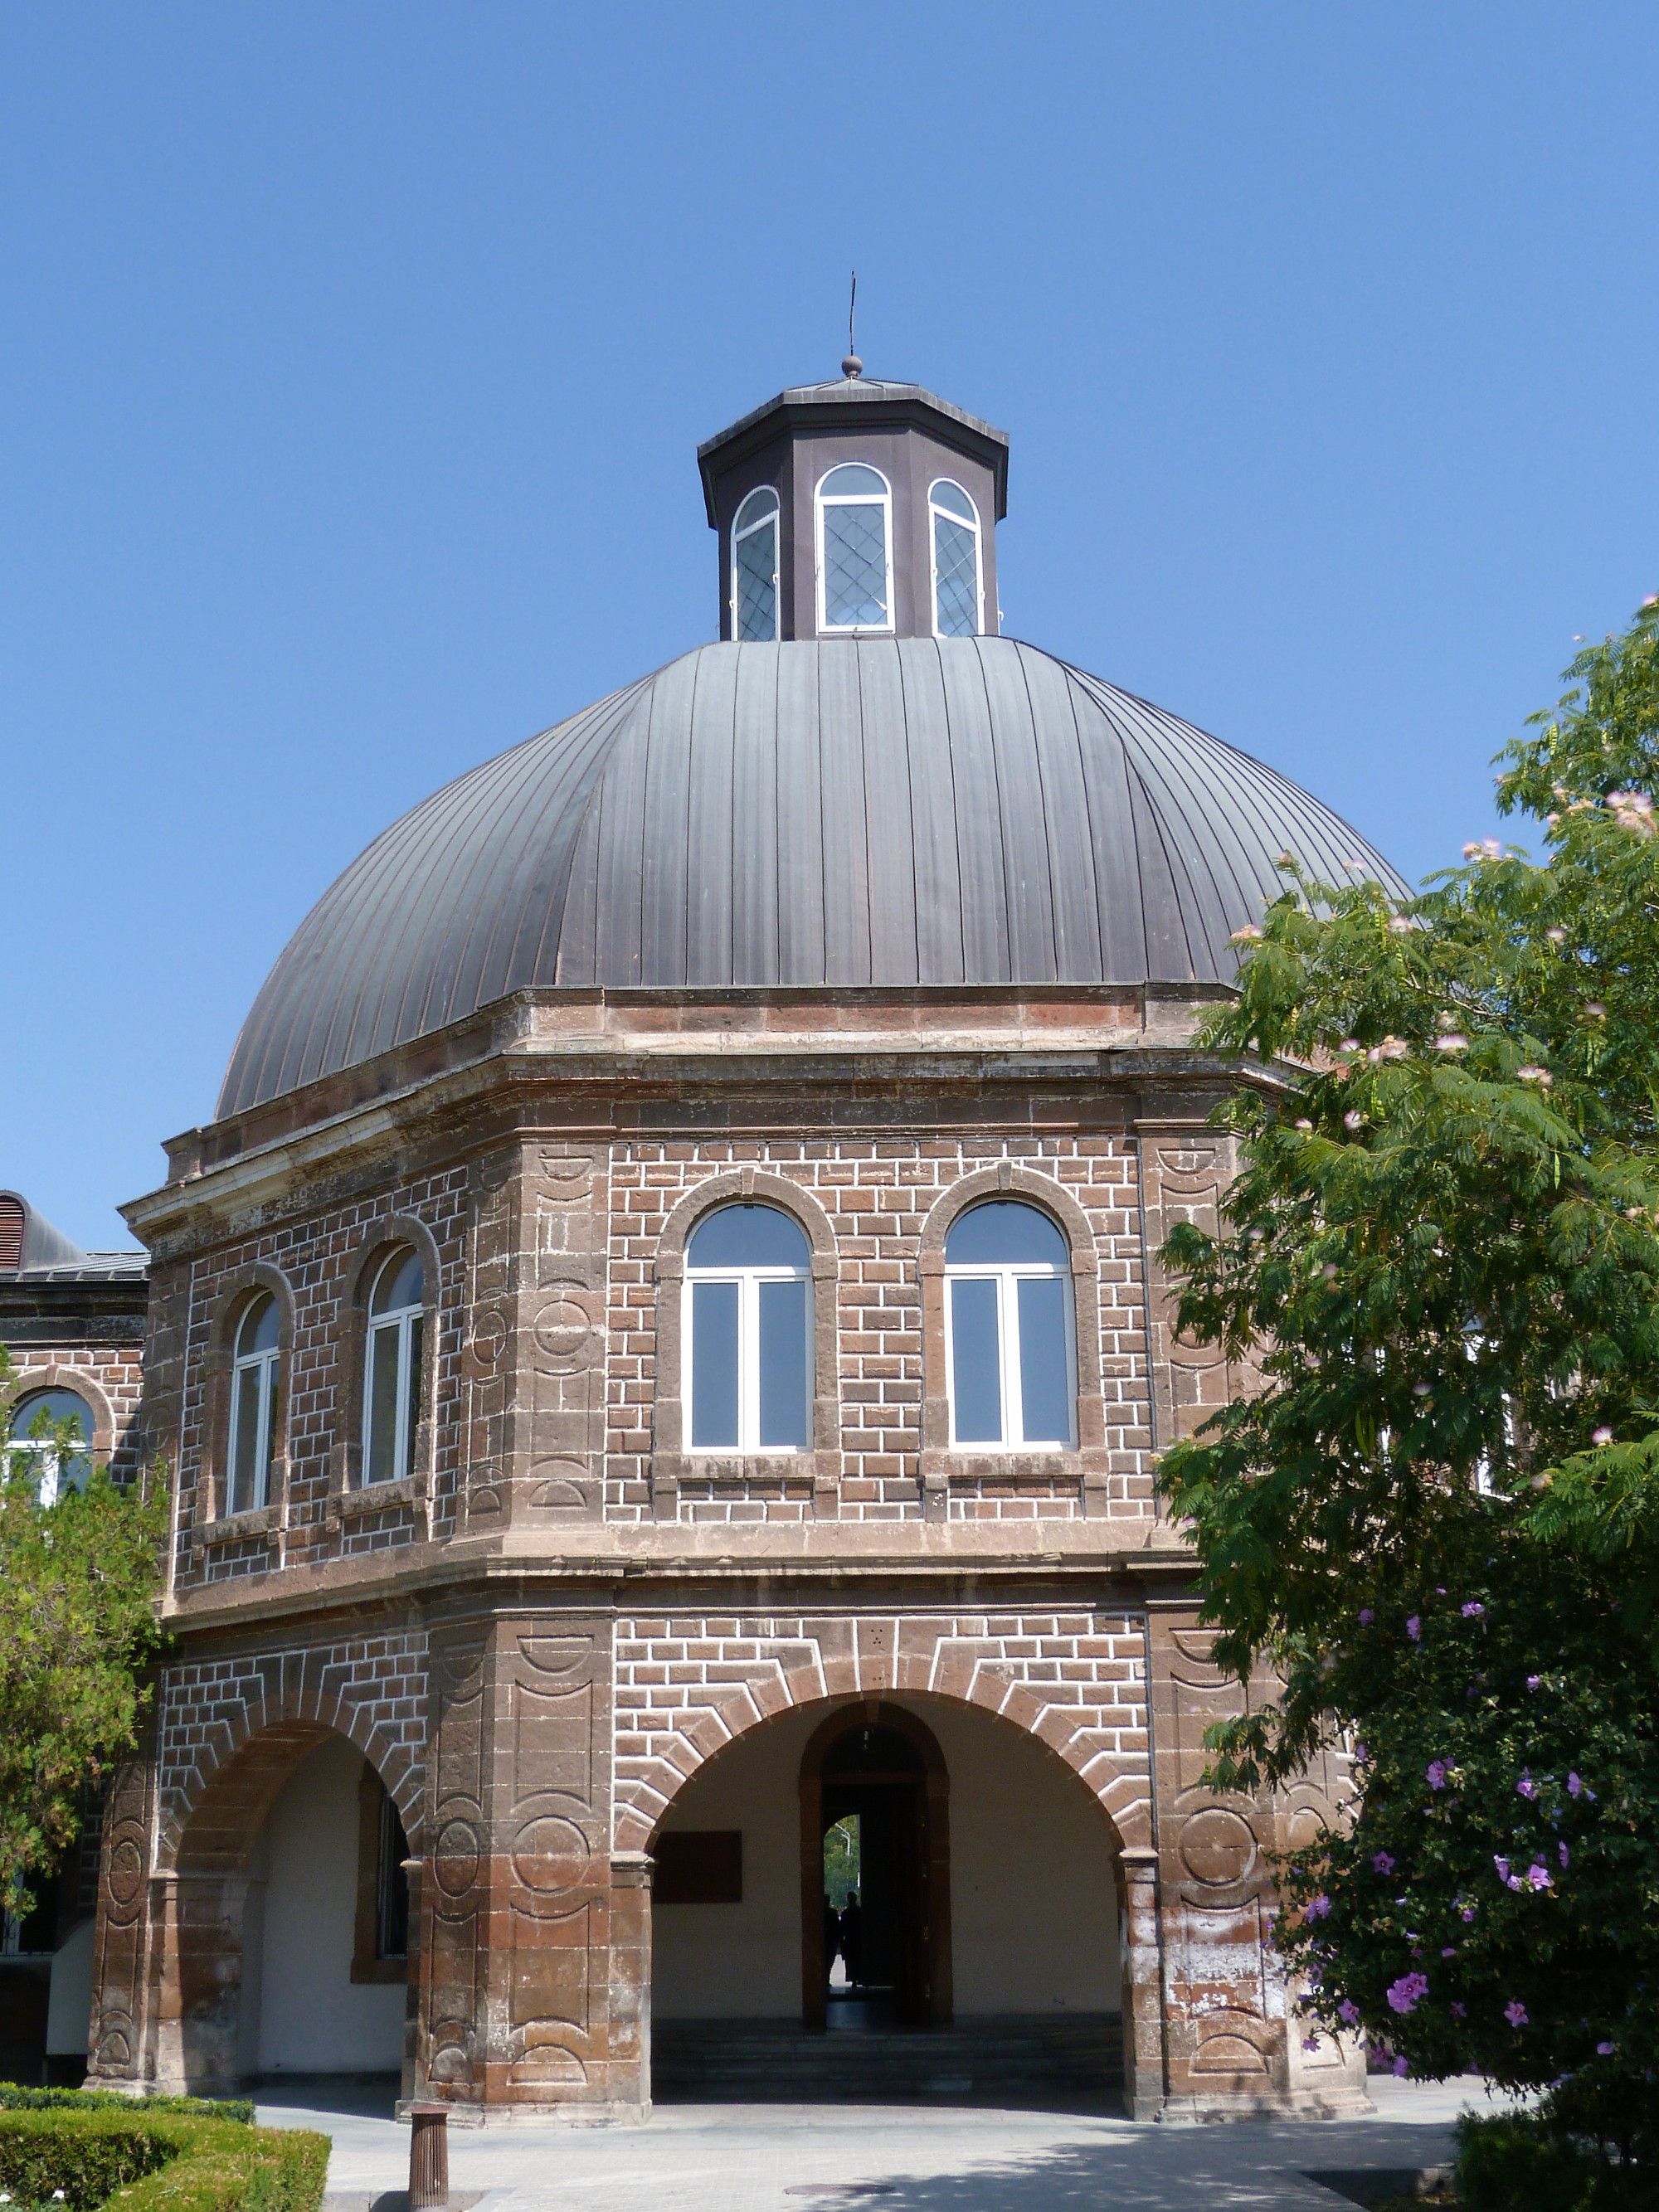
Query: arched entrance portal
{"x":986,"y":1961}
{"x":875,"y":1872}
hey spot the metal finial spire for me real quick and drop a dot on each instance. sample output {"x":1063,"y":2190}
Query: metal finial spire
{"x":852,"y":366}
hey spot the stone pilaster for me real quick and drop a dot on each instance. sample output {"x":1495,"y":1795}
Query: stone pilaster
{"x":534,"y":1948}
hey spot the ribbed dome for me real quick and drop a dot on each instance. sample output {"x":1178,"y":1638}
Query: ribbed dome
{"x":843,"y":813}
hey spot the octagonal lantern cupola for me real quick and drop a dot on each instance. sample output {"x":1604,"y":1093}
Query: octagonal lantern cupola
{"x":856,"y":509}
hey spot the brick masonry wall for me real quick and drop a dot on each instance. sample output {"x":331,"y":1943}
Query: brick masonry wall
{"x":688,"y":1684}
{"x":878,"y":1194}
{"x":315,"y":1255}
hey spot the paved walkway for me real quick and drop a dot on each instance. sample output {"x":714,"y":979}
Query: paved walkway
{"x":792,"y":2157}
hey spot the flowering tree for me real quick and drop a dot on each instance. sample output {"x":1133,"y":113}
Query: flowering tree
{"x":1438,"y":1519}
{"x":78,"y":1580}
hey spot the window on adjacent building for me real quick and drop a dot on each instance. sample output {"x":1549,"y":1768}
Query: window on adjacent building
{"x":958,"y":592}
{"x":754,"y":568}
{"x":37,"y":1430}
{"x":392,"y":1385}
{"x":854,"y":549}
{"x":1008,"y":1320}
{"x":748,"y":1331}
{"x":253,"y":1404}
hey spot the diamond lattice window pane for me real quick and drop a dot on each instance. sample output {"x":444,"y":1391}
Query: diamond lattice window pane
{"x":855,"y":566}
{"x":757,"y":584}
{"x":955,"y":565}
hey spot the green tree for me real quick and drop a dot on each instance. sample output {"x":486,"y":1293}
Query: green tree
{"x":1437,"y":1521}
{"x":78,"y":1584}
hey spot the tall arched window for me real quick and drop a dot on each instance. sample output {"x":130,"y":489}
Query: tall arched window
{"x":854,"y":549}
{"x":253,"y":1404}
{"x":392,"y":1381}
{"x":1009,"y":1333}
{"x":958,"y":591}
{"x":36,"y":1429}
{"x":754,"y":568}
{"x":748,"y":1329}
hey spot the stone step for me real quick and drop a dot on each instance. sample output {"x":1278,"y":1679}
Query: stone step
{"x":743,"y":2062}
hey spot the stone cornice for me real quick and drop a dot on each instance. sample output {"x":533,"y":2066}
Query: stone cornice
{"x":829,"y":1559}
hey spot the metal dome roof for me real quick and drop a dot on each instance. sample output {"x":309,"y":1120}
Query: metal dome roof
{"x":843,"y":813}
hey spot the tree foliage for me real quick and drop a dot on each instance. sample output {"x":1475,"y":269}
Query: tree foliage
{"x":78,"y":1582}
{"x":1437,"y":1520}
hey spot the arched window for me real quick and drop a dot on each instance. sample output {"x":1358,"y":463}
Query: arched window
{"x":392,"y":1381}
{"x":1009,"y":1344}
{"x":35,"y":1429}
{"x":958,"y":592}
{"x":854,"y":549}
{"x":747,"y":1325}
{"x":253,"y":1404}
{"x":754,"y":568}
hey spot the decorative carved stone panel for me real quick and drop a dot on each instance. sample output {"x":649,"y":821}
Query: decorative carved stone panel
{"x":452,"y":2029}
{"x":1185,"y":1168}
{"x":119,"y":1977}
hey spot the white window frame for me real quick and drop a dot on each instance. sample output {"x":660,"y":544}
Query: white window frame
{"x":885,"y":500}
{"x":934,"y":510}
{"x":748,"y":1280}
{"x":773,"y":516}
{"x":253,"y":1370}
{"x":402,"y":1319}
{"x":1008,"y":1277}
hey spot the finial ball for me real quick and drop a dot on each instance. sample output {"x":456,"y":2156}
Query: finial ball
{"x":852,"y":366}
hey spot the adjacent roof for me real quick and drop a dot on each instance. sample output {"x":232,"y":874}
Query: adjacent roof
{"x":839,"y":812}
{"x":33,"y":1251}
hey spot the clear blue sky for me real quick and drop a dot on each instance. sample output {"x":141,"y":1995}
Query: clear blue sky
{"x":356,"y":354}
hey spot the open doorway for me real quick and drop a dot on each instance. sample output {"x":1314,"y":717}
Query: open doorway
{"x":875,"y":1873}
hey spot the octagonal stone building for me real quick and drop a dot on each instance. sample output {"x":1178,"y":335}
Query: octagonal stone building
{"x":664,"y":1352}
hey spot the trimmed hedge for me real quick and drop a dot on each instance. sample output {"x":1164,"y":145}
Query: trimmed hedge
{"x":141,"y":2161}
{"x":1517,"y":2162}
{"x":15,"y":2098}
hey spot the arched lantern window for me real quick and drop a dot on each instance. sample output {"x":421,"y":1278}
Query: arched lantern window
{"x":958,"y":590}
{"x":748,"y":1326}
{"x":253,"y":1404}
{"x":754,"y":568}
{"x":1010,"y":1351}
{"x":854,"y":549}
{"x":392,"y":1382}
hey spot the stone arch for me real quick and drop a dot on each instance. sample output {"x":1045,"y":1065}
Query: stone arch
{"x":1085,"y":1737}
{"x":64,"y":1375}
{"x":1008,"y":1179}
{"x":753,"y":1185}
{"x":215,"y":1814}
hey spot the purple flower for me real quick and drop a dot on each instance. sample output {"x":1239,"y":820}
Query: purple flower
{"x":1404,"y":1994}
{"x":1348,"y":2011}
{"x":1318,"y":1907}
{"x":1382,"y":1862}
{"x":1526,"y":1787}
{"x":1436,"y":1773}
{"x":1366,"y":1616}
{"x":1515,"y":2013}
{"x":1399,"y":2066}
{"x":1503,"y":1866}
{"x":1468,"y":1913}
{"x":1564,"y":1855}
{"x":1534,"y":1681}
{"x":1449,"y":1950}
{"x":1414,"y":1628}
{"x":1539,"y":1876}
{"x":1360,"y":1754}
{"x":1604,"y":2050}
{"x":1473,"y":1610}
{"x":1577,"y":1788}
{"x":1458,"y":2011}
{"x":1310,"y":2043}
